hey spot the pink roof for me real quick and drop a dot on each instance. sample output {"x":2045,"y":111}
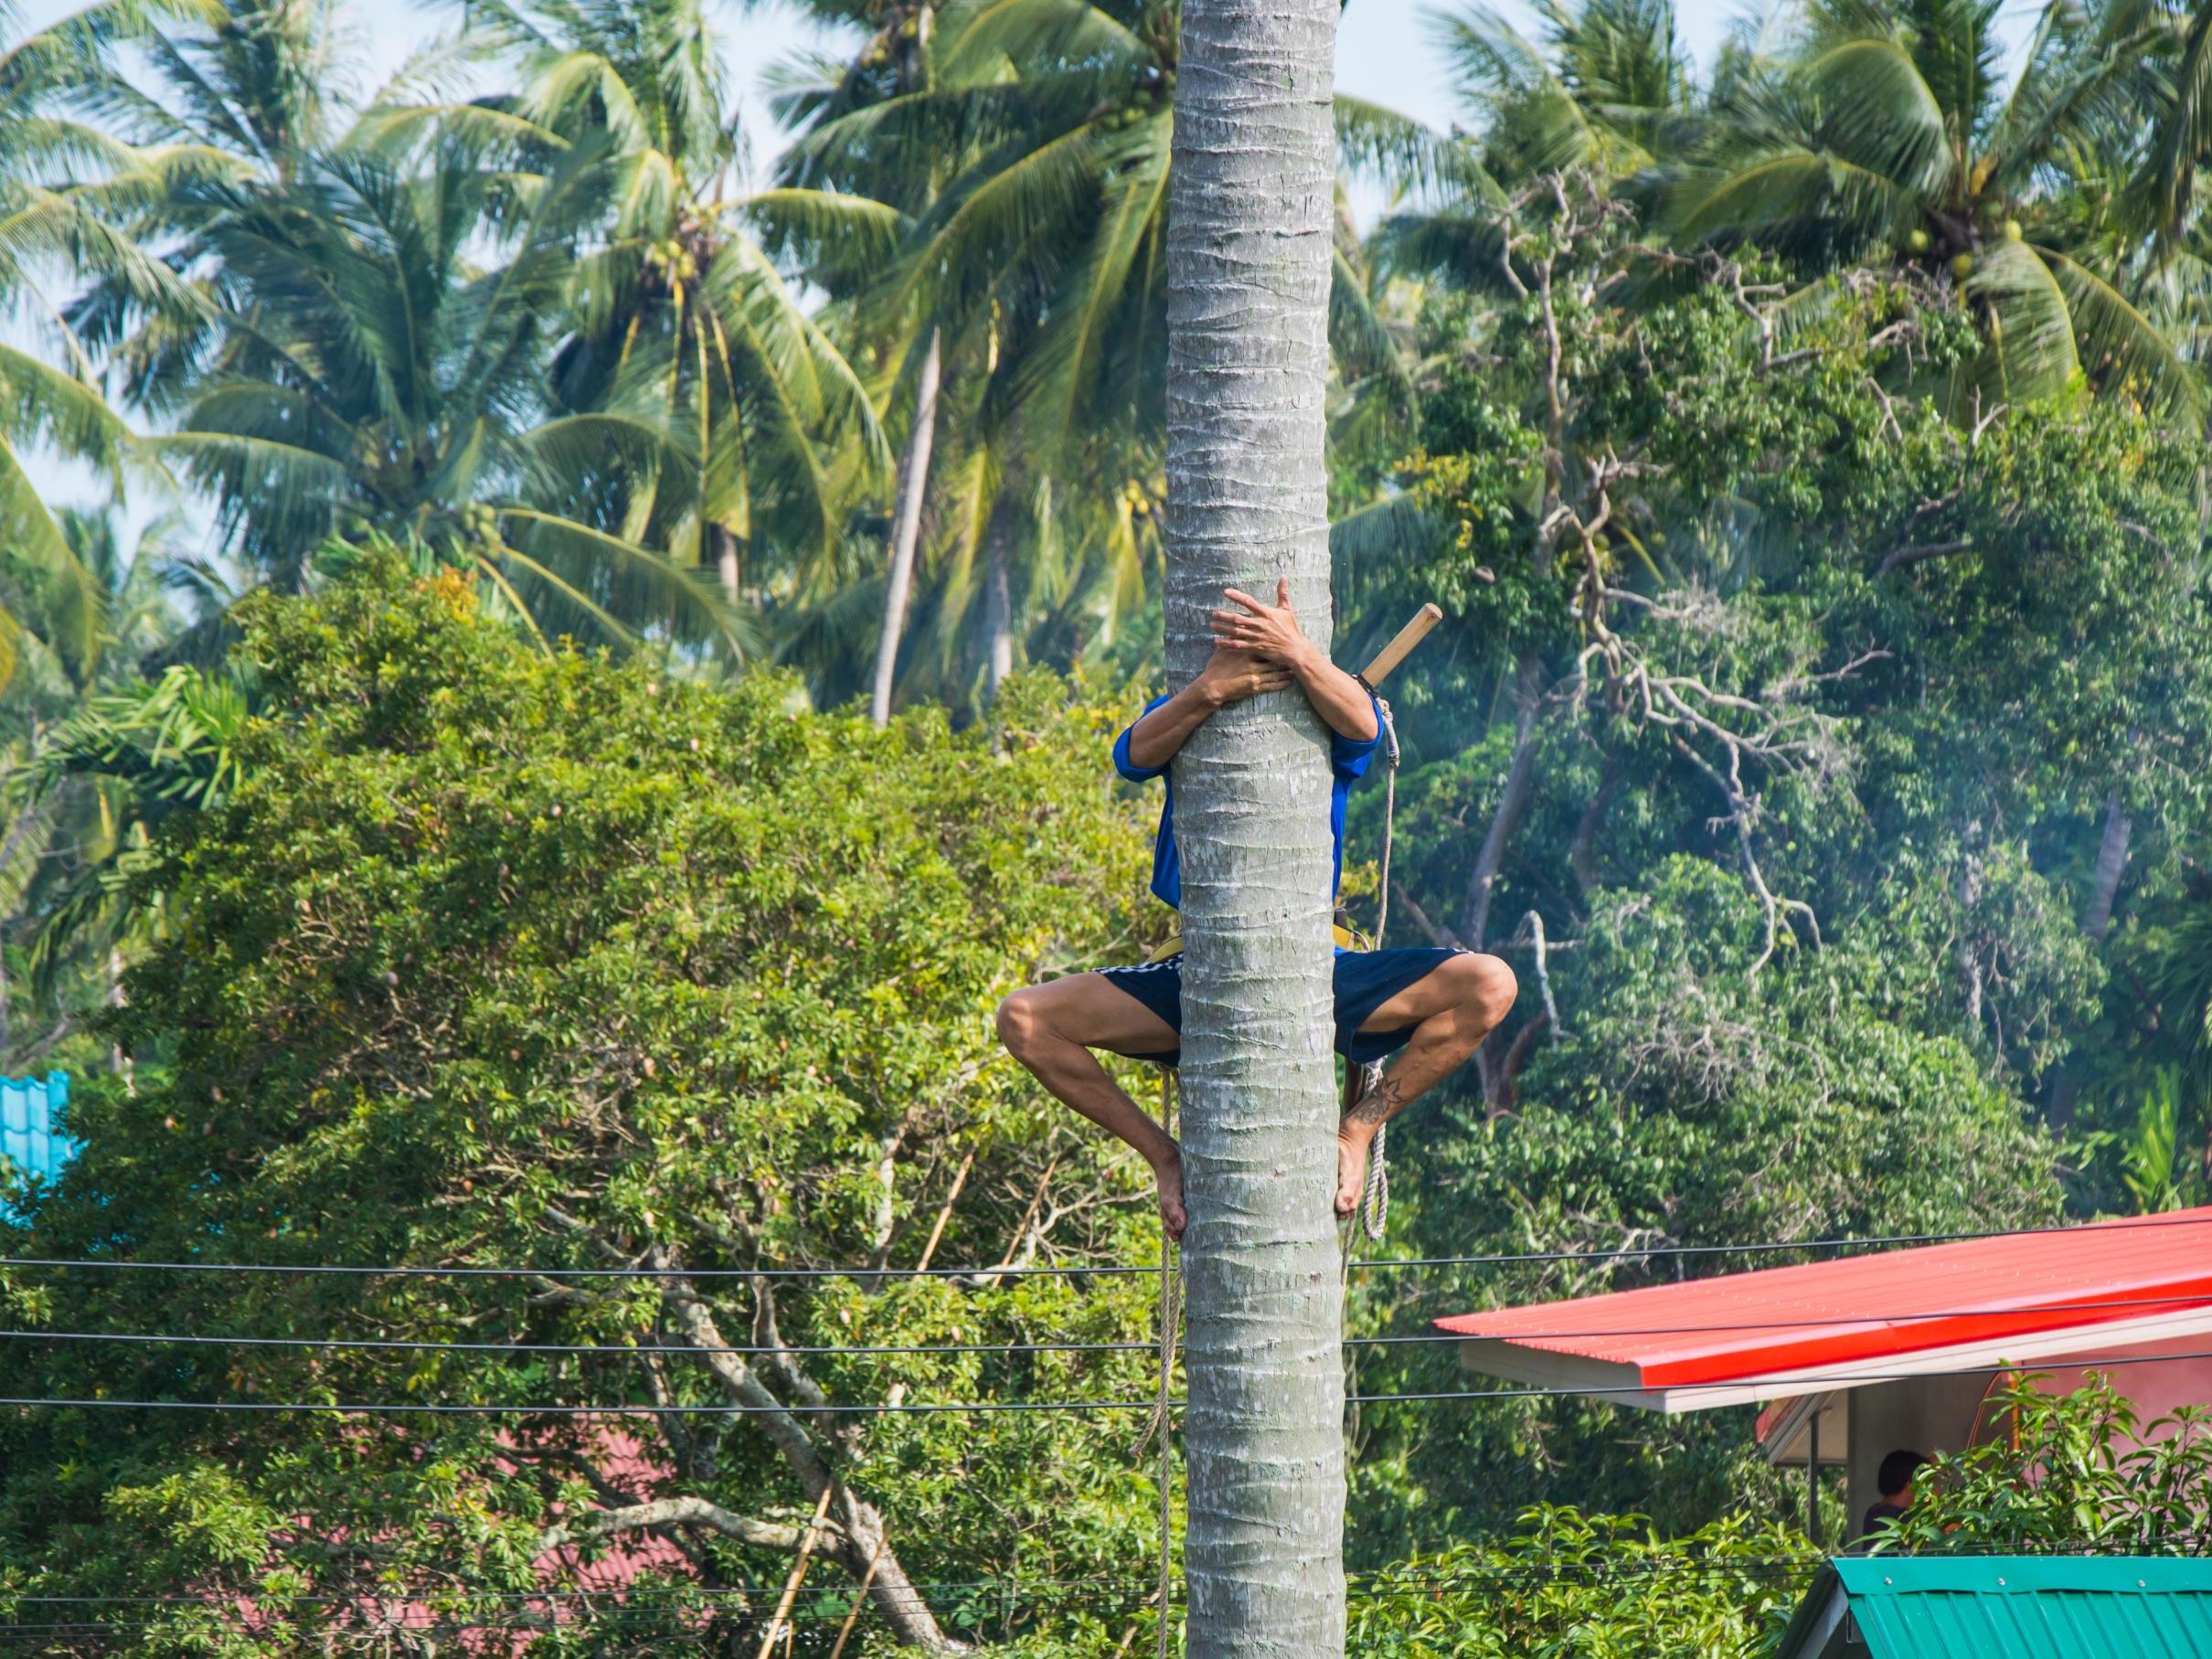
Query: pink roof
{"x":2140,"y":1279}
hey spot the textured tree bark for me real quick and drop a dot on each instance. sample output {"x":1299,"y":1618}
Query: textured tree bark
{"x":998,"y":607}
{"x":906,"y":529}
{"x":2111,"y":860}
{"x":729,"y":569}
{"x":1248,"y":264}
{"x":1512,"y":803}
{"x":2104,"y":889}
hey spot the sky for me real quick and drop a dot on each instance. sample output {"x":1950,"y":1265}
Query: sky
{"x":1383,"y":51}
{"x":1384,"y":54}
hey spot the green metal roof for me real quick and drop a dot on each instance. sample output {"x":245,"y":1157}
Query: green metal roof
{"x":2005,"y":1607}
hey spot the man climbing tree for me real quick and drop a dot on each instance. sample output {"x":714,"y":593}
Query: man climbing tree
{"x":1437,"y":1005}
{"x":1251,"y":193}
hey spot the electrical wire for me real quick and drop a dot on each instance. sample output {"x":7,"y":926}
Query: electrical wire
{"x":424,"y":1409}
{"x":1411,"y":1578}
{"x":1818,"y":1378}
{"x":614,"y":1350}
{"x":1372,"y":1263}
{"x":123,"y":1264}
{"x":834,"y":1350}
{"x":420,"y":1409}
{"x":629,"y":1608}
{"x":1419,"y":1577}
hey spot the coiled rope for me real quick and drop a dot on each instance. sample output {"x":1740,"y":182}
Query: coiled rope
{"x":1374,"y":1210}
{"x":1171,"y":1313}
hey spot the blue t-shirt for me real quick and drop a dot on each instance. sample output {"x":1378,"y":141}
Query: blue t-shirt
{"x":1348,"y":758}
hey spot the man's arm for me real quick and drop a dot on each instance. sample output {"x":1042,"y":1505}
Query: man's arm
{"x":1228,"y":676}
{"x":1271,"y":633}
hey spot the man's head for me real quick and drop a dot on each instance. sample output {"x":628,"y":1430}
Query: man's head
{"x":1896,"y":1474}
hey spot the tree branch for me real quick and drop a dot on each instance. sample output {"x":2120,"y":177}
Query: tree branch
{"x":1439,"y":935}
{"x":1898,"y":559}
{"x":680,"y":1512}
{"x":862,"y":1535}
{"x":1513,"y":801}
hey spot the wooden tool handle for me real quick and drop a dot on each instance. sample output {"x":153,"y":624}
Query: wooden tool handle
{"x":1399,"y":649}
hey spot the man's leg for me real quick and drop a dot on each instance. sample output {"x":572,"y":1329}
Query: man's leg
{"x":1052,"y":1029}
{"x":1451,"y":1009}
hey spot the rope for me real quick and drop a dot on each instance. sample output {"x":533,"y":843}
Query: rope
{"x":1382,"y":903}
{"x":1170,"y":1312}
{"x":1374,"y":1210}
{"x":1374,"y":1199}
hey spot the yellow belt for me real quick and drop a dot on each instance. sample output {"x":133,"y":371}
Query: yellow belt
{"x":1347,"y":939}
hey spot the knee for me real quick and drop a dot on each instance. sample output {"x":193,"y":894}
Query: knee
{"x":1486,"y":988}
{"x":1020,"y":1024}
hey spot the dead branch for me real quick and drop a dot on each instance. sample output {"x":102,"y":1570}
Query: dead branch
{"x":679,"y":1511}
{"x":1898,"y":559}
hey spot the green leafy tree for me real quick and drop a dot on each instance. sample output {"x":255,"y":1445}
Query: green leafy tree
{"x":64,"y":830}
{"x":61,"y":178}
{"x":1033,"y":141}
{"x":1603,"y":1586}
{"x":1892,"y":129}
{"x":1606,"y":86}
{"x":2070,"y":1471}
{"x":679,"y":309}
{"x":1725,"y":588}
{"x":428,"y":1002}
{"x":365,"y":342}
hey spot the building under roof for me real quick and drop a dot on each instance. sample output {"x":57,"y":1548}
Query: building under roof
{"x":1869,"y":1354}
{"x":2005,"y":1607}
{"x":29,"y":1110}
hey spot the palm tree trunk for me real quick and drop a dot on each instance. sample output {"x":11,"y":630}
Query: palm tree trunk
{"x":906,"y":529}
{"x":2104,"y":891}
{"x":1247,"y":278}
{"x":118,"y":1061}
{"x":2111,"y":861}
{"x":1512,"y":804}
{"x":998,"y":610}
{"x":729,"y":569}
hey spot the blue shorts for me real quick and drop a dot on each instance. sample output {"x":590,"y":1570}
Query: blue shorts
{"x":1366,"y":980}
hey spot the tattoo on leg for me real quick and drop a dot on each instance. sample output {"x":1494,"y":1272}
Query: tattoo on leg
{"x":1376,"y":1105}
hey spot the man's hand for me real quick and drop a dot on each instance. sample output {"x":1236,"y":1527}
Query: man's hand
{"x":1270,"y":633}
{"x":1231,"y":675}
{"x":1256,"y":648}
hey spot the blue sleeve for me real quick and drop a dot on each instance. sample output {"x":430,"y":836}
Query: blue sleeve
{"x":1350,"y":756}
{"x":1122,"y":763}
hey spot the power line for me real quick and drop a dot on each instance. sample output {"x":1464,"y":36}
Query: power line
{"x":836,"y":1350}
{"x":1806,"y":1374}
{"x":1633,"y":1254}
{"x":2201,"y":1298}
{"x":1367,"y":1264}
{"x":637,"y":1607}
{"x":121,"y":1264}
{"x":1412,"y":1577}
{"x":417,"y":1409}
{"x":420,"y":1344}
{"x":415,"y":1615}
{"x":1417,"y":1578}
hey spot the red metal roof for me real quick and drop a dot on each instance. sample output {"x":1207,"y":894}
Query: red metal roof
{"x":2136,"y":1277}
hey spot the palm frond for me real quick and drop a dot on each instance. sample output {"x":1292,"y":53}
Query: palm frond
{"x":2117,"y":343}
{"x":2031,"y":353}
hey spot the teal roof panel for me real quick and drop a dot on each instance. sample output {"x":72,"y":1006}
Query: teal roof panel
{"x":2014,"y":1607}
{"x":29,"y":1138}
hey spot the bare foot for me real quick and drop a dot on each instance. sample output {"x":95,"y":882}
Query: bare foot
{"x":1352,"y":1139}
{"x":1170,"y":1177}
